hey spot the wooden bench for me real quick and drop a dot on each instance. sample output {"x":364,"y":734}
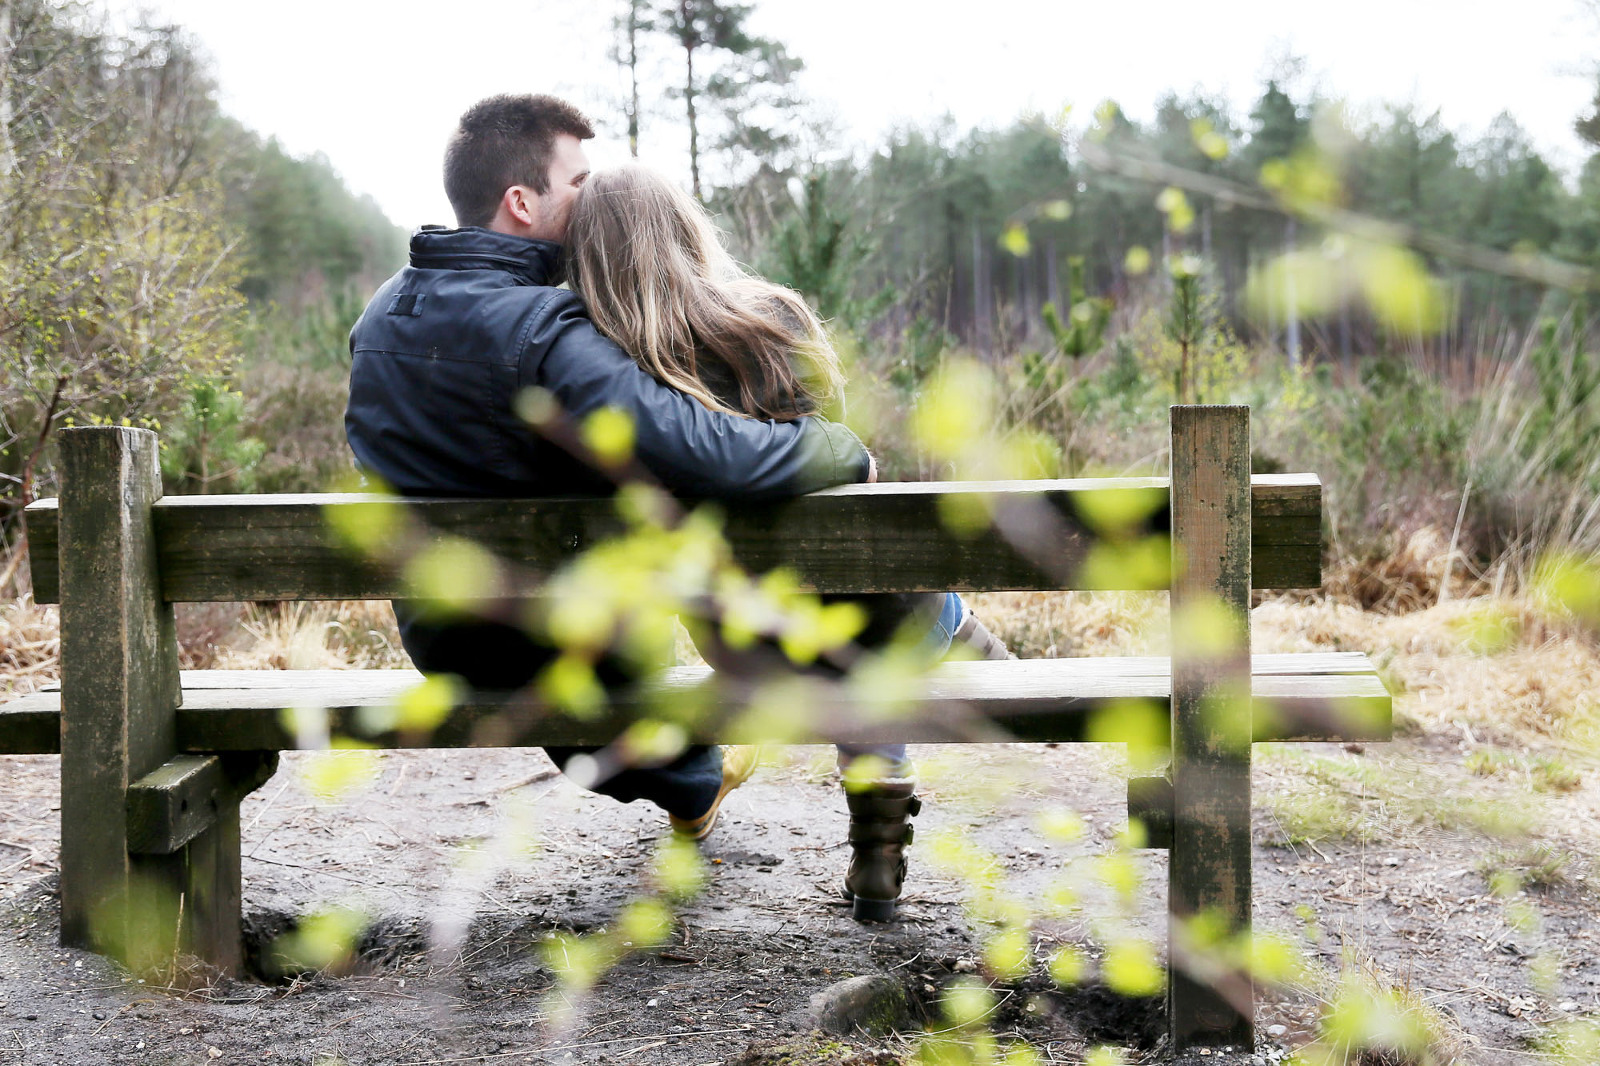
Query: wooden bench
{"x":155,"y":761}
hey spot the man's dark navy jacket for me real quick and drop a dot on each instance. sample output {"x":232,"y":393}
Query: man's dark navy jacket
{"x":439,"y":358}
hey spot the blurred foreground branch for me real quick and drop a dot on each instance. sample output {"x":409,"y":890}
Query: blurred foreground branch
{"x":1536,"y":267}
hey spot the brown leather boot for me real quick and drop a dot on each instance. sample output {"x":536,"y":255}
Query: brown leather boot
{"x":880,"y":829}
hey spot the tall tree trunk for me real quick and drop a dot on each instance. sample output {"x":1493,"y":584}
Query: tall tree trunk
{"x":979,"y":325}
{"x":8,"y":153}
{"x":1166,"y":254}
{"x":1052,"y":277}
{"x":688,"y":97}
{"x":1346,"y":358}
{"x":951,"y":319}
{"x":1291,"y":299}
{"x":633,"y":78}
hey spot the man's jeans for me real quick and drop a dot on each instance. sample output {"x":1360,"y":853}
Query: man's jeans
{"x":492,"y":656}
{"x":935,"y":645}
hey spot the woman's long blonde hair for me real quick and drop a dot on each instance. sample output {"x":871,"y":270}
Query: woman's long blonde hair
{"x":650,"y":265}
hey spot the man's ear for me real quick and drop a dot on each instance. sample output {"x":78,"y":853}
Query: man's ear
{"x":520,"y":203}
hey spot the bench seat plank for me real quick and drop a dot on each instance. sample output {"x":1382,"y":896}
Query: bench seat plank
{"x":1310,"y":696}
{"x":31,"y":725}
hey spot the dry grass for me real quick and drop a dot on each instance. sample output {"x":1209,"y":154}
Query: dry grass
{"x":1491,"y":669}
{"x":292,"y":636}
{"x":348,"y":635}
{"x":30,"y":646}
{"x":1049,"y":625}
{"x":1488,"y":669}
{"x":1429,"y":567}
{"x":1493,"y":678}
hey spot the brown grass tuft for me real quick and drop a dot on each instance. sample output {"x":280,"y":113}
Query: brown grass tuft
{"x":348,"y":635}
{"x":30,"y":646}
{"x":1050,"y":625}
{"x":1425,"y":570}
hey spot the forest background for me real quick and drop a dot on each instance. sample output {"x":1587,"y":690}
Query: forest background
{"x":1403,"y":306}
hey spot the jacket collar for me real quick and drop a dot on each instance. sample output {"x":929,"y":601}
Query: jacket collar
{"x":535,"y":262}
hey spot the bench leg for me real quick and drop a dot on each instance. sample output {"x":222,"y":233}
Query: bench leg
{"x":211,"y":883}
{"x":183,"y":826}
{"x":1210,"y":999}
{"x":119,"y":700}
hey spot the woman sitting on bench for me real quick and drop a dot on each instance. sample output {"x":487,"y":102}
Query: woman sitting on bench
{"x":649,"y":263}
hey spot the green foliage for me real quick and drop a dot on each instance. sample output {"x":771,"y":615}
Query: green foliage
{"x":1399,"y":424}
{"x":1087,"y":316}
{"x":299,"y":411}
{"x":320,"y":941}
{"x":137,"y":219}
{"x":1538,"y":865}
{"x":1363,"y":801}
{"x":1568,"y":415}
{"x":1190,"y":349}
{"x":140,"y":928}
{"x":203,"y":448}
{"x":920,"y":352}
{"x":814,"y":252}
{"x":1081,"y":333}
{"x":1371,"y":1020}
{"x":1542,"y":772}
{"x":115,"y":311}
{"x":1183,"y":325}
{"x":744,"y":77}
{"x":980,"y":231}
{"x":316,"y":334}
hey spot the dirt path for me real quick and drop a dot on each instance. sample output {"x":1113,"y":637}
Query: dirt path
{"x":1411,"y":908}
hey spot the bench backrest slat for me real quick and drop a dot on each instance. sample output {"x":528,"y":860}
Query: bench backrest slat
{"x":858,"y":538}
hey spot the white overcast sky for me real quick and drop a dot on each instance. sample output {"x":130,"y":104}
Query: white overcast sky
{"x":377,"y":87}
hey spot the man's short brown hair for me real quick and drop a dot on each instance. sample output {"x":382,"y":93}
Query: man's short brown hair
{"x":504,"y":141}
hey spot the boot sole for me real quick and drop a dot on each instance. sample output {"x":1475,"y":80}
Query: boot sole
{"x":863,"y":909}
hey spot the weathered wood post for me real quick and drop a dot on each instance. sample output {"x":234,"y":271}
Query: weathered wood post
{"x":119,"y":698}
{"x":1210,"y":998}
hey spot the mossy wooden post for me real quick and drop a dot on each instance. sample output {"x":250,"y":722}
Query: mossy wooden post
{"x":1210,"y":1001}
{"x":119,"y":699}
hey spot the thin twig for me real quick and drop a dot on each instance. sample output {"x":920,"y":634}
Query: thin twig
{"x":641,"y":1047}
{"x":1455,"y":536}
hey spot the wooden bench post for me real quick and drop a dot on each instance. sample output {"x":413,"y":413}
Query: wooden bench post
{"x":1210,"y":1002}
{"x":119,"y":700}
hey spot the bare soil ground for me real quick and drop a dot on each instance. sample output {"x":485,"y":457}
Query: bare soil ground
{"x":1380,"y":863}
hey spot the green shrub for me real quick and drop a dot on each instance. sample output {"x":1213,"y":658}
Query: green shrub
{"x":204,"y":448}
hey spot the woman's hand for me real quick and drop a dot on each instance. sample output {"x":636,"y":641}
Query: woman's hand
{"x":872,"y":468}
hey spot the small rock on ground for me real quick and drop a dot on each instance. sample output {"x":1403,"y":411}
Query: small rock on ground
{"x":873,"y":1003}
